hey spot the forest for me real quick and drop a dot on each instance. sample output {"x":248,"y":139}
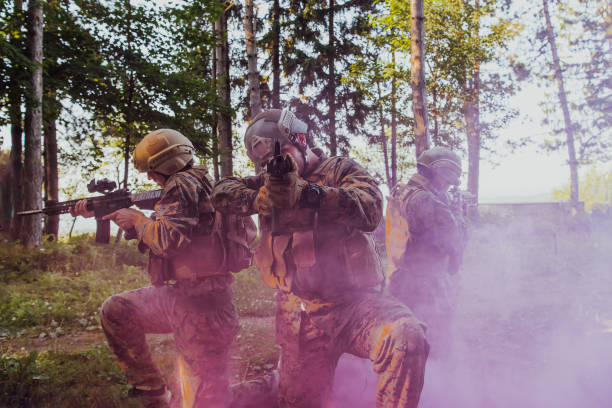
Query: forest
{"x":83,"y":81}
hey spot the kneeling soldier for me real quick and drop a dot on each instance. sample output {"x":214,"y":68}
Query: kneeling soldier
{"x":191,"y":293}
{"x":315,"y":217}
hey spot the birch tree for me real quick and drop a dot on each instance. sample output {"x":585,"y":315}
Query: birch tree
{"x":569,"y":127}
{"x":417,"y":80}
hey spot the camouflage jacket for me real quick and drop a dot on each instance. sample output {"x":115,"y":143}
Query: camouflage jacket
{"x":178,"y":234}
{"x":323,"y":253}
{"x":436,"y":233}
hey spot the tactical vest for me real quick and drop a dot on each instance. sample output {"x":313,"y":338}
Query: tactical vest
{"x":220,"y":244}
{"x":317,"y":260}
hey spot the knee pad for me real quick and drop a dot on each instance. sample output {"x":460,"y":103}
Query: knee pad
{"x":114,"y":309}
{"x":405,"y":335}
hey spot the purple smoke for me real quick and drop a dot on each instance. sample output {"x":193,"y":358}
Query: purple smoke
{"x":532,"y":324}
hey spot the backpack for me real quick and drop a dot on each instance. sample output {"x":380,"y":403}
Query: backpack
{"x":237,"y":234}
{"x":397,"y":230}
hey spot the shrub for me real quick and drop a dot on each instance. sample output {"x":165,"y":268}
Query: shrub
{"x":89,"y":378}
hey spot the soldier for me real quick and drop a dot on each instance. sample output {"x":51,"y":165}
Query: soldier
{"x":316,"y":250}
{"x":425,"y":239}
{"x":191,"y":294}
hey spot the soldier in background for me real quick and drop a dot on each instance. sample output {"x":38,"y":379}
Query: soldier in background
{"x":316,"y":250}
{"x":425,"y":238}
{"x":191,"y":294}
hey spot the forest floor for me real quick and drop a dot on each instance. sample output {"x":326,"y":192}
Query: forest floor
{"x":532,"y":325}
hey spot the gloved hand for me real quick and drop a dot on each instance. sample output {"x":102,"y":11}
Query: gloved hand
{"x":285,"y":192}
{"x":126,"y":218}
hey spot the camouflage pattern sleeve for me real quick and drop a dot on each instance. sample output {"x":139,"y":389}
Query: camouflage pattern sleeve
{"x":435,"y":223}
{"x":236,"y":195}
{"x":176,"y":215}
{"x":351,"y":196}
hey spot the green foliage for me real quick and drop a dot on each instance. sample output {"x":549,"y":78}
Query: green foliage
{"x":329,"y":106}
{"x":458,"y":37}
{"x":581,"y":31}
{"x":595,"y":189}
{"x":88,"y":378}
{"x":61,"y":286}
{"x":73,"y":255}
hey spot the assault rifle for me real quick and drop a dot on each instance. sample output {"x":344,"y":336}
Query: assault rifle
{"x":462,"y":202}
{"x":277,"y":167}
{"x":112,"y":199}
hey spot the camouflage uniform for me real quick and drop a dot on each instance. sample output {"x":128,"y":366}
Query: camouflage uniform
{"x":326,"y":270}
{"x":435,"y":241}
{"x":191,"y":297}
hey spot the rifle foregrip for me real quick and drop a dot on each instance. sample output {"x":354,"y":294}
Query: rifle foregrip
{"x":102,"y":231}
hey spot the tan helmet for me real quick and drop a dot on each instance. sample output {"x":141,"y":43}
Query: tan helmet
{"x":165,"y":151}
{"x":441,"y":162}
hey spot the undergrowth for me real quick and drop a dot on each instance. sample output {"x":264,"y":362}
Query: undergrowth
{"x":88,"y":378}
{"x":59,"y":288}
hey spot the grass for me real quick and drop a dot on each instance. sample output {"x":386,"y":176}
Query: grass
{"x":89,"y":378}
{"x":51,"y":296}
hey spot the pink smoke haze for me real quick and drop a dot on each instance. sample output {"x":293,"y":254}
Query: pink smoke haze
{"x":532,"y":324}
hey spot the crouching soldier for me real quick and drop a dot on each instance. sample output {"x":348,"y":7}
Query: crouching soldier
{"x":315,"y":217}
{"x":190,"y":294}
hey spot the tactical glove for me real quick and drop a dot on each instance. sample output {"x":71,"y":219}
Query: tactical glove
{"x":285,"y":192}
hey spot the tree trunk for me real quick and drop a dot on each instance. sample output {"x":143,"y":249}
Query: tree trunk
{"x":417,"y":76}
{"x":473,"y":137}
{"x":51,"y":176}
{"x":253,"y":74}
{"x":130,"y":98}
{"x":436,"y":126}
{"x":215,"y":125}
{"x":276,"y":55}
{"x":569,"y":128}
{"x":472,"y":117}
{"x":223,"y":81}
{"x":331,"y":82}
{"x":15,"y":114}
{"x":383,"y":136}
{"x":16,"y":170}
{"x":32,"y":181}
{"x":393,"y":124}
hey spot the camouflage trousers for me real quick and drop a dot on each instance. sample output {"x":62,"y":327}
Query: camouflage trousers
{"x":203,"y":326}
{"x":313,"y":335}
{"x":430,"y":297}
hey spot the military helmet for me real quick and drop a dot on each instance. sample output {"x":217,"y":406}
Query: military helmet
{"x":272,"y":125}
{"x":441,"y":162}
{"x":165,"y":151}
